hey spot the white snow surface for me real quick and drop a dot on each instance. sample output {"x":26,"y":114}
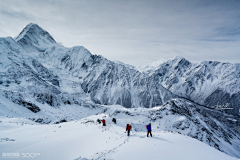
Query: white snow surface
{"x":82,"y":139}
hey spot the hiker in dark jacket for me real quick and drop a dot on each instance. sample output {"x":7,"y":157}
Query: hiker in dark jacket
{"x":149,"y":129}
{"x":99,"y":121}
{"x":128,"y":128}
{"x":104,"y":122}
{"x":114,"y":120}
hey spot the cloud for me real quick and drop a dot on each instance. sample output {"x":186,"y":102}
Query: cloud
{"x":134,"y":32}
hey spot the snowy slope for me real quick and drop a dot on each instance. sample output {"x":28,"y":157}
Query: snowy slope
{"x":83,"y":139}
{"x":64,"y":107}
{"x":177,"y":115}
{"x":186,"y":118}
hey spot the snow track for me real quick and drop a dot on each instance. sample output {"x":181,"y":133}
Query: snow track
{"x":113,"y":150}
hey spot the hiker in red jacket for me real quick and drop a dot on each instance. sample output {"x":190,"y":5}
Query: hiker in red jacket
{"x":104,"y":122}
{"x":128,"y":128}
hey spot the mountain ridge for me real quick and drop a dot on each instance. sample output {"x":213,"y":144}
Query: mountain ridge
{"x":107,"y":82}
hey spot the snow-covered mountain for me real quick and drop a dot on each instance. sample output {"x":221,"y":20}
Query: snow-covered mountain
{"x":105,"y":82}
{"x":53,"y":67}
{"x":48,"y":83}
{"x":33,"y":38}
{"x":208,"y":83}
{"x":36,"y":64}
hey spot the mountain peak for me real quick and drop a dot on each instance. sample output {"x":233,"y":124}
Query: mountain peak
{"x":35,"y":36}
{"x":178,"y":57}
{"x":30,"y":25}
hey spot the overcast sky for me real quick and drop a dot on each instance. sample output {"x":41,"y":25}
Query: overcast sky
{"x":133,"y":31}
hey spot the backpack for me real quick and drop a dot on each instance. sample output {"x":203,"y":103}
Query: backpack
{"x":147,"y":127}
{"x":130,"y":127}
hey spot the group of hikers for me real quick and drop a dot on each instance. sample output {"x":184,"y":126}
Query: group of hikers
{"x":128,"y":127}
{"x":148,"y":127}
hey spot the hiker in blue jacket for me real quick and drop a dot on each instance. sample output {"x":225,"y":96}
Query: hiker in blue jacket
{"x":149,"y":129}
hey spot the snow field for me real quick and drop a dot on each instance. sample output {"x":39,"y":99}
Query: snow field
{"x":84,"y":139}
